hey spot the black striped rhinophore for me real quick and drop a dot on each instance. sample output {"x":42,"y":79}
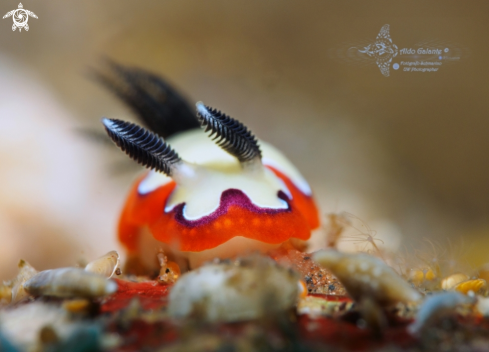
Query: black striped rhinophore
{"x":230,"y":134}
{"x":142,"y":145}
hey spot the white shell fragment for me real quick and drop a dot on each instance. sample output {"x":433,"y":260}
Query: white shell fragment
{"x":69,"y":282}
{"x":437,"y":305}
{"x":106,"y":265}
{"x":483,"y":306}
{"x":244,"y":289}
{"x":26,"y":271}
{"x":365,"y":276}
{"x":453,"y":280}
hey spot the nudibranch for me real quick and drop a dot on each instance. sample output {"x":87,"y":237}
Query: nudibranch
{"x":203,"y":197}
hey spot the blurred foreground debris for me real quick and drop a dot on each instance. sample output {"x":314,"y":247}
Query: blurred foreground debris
{"x":243,"y":304}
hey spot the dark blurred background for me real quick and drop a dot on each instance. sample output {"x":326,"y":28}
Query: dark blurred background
{"x":408,"y":154}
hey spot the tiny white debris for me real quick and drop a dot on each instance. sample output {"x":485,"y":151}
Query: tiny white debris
{"x":105,"y":265}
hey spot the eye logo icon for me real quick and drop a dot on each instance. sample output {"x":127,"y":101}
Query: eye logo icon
{"x":20,"y":17}
{"x":382,"y":50}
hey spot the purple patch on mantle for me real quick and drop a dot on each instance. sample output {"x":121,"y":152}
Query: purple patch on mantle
{"x":229,"y":197}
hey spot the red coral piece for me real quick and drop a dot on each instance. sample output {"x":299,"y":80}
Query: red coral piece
{"x":151,"y":295}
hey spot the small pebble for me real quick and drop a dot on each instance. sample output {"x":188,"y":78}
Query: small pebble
{"x":69,"y":282}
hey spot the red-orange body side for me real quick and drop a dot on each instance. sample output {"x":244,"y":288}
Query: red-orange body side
{"x":148,"y":210}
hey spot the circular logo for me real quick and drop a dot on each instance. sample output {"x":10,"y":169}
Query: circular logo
{"x":446,"y":50}
{"x":395,"y":66}
{"x":20,"y":17}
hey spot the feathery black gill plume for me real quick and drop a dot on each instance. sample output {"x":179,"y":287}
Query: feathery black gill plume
{"x":142,"y":145}
{"x":158,"y":105}
{"x":230,"y":134}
